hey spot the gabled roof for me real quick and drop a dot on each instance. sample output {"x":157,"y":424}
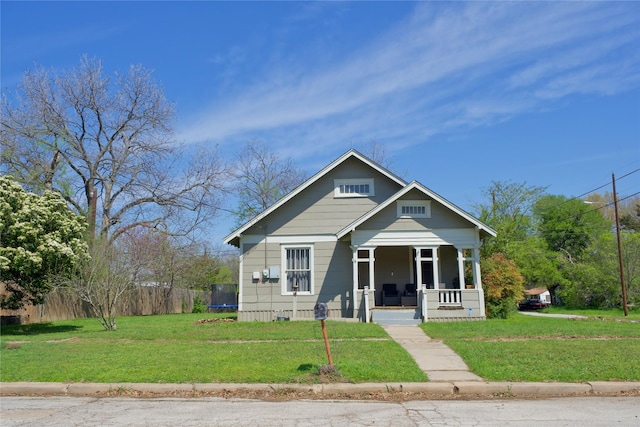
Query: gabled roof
{"x":235,"y":235}
{"x":416,"y":185}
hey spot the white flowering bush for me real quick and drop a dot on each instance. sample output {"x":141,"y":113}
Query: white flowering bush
{"x":41,"y":241}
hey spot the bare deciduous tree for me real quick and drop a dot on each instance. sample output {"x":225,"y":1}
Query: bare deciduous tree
{"x":104,"y":281}
{"x":106,"y":145}
{"x":262,"y":179}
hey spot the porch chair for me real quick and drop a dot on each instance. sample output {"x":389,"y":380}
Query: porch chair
{"x":410,"y":290}
{"x":390,"y":295}
{"x":410,"y":295}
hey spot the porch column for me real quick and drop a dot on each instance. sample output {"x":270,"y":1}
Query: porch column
{"x":372,"y":270}
{"x":476,"y":268}
{"x":436,"y":270}
{"x":478,"y":280}
{"x":418,"y":267}
{"x":461,"y":267}
{"x":354,"y":292}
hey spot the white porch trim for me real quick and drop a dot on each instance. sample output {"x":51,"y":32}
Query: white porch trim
{"x":465,"y":237}
{"x":355,"y":259}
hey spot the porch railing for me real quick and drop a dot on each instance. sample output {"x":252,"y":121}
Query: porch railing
{"x":449,"y":297}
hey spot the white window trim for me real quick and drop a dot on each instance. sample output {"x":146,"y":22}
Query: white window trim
{"x":422,"y":203}
{"x":358,"y":181}
{"x":283,"y":269}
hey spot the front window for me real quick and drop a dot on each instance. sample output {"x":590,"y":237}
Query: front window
{"x":298,"y":270}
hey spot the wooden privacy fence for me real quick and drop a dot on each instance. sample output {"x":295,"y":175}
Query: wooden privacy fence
{"x":143,"y":300}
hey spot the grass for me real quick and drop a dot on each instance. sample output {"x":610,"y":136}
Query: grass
{"x":205,"y":348}
{"x":525,"y":348}
{"x":189,"y":327}
{"x":616,"y":313}
{"x":194,"y":348}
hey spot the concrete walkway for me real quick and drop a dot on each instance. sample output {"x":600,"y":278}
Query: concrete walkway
{"x":437,"y":360}
{"x":559,"y":316}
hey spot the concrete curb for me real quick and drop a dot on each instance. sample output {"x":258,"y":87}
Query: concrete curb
{"x":441,"y":389}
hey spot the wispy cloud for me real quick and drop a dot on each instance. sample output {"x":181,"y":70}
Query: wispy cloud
{"x":445,"y":66}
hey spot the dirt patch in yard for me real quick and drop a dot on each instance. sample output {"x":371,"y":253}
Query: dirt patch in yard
{"x":216,"y":320}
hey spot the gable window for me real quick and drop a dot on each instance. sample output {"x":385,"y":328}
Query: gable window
{"x":353,"y":187}
{"x":297,"y":265}
{"x":414,"y":209}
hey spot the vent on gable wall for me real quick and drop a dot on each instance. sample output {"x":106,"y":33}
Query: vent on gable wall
{"x":414,"y":209}
{"x":353,"y":187}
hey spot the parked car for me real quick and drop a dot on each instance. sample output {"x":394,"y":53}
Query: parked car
{"x":532,"y":304}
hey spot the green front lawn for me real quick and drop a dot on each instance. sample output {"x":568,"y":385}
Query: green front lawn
{"x":203,"y":348}
{"x":526,"y":348}
{"x":191,"y":348}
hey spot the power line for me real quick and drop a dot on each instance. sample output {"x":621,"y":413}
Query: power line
{"x":605,"y":185}
{"x":593,"y":190}
{"x":611,"y":203}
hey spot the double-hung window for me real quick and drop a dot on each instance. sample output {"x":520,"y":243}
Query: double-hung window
{"x":297,"y":265}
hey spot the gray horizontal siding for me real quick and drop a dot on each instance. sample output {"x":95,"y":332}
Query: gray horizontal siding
{"x":317,"y":211}
{"x":332,"y":279}
{"x":441,"y":217}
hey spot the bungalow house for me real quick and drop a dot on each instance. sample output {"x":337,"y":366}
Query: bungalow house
{"x":360,"y":239}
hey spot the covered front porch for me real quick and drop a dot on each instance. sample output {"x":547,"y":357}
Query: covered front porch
{"x":441,"y":282}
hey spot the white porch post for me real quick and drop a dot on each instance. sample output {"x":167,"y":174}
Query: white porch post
{"x":477,"y":279}
{"x":461,"y":267}
{"x":365,"y":294}
{"x":240,"y":279}
{"x":476,"y":267}
{"x":418,"y":263}
{"x":420,"y":287}
{"x":371,"y":286}
{"x":372,"y":270}
{"x":354,"y":292}
{"x":436,"y":269}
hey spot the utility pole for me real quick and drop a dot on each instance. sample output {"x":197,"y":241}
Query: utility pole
{"x":624,"y":290}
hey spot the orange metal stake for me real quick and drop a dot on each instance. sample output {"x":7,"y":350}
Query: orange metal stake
{"x":326,"y":342}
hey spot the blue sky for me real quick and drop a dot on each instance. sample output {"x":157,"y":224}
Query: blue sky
{"x":460,"y":93}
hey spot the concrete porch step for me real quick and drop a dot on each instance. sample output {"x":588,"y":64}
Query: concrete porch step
{"x":396,"y":316}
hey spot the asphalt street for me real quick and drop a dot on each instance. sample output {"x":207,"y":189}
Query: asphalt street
{"x":58,"y":411}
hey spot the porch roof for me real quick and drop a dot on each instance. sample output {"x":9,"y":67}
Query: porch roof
{"x":417,"y":186}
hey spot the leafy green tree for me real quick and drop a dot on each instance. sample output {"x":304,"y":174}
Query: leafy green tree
{"x":595,"y":278}
{"x":41,"y":240}
{"x":569,"y":225}
{"x":631,"y":258}
{"x":504,"y":285}
{"x":539,"y":266}
{"x":630,"y":218}
{"x":202,"y":271}
{"x":509,"y":212}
